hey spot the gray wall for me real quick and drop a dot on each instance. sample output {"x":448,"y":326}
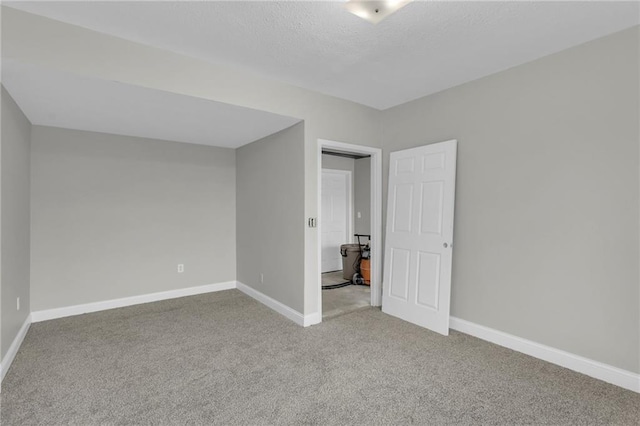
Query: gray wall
{"x":14,"y":264}
{"x":362,"y":197}
{"x":270,"y":208}
{"x":546,"y":226}
{"x":114,"y":215}
{"x":337,"y":163}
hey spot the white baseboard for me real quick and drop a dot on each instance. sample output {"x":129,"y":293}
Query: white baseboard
{"x":13,"y":349}
{"x":607,"y":373}
{"x":279,"y":307}
{"x":86,"y":308}
{"x":68,"y":311}
{"x":312,"y":319}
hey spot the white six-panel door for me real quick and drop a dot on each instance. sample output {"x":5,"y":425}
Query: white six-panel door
{"x":335,"y":216}
{"x":419,"y":235}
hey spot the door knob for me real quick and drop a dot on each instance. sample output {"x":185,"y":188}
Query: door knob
{"x":445,"y":245}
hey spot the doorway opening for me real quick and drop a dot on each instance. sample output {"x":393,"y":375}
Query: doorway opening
{"x":349,"y":200}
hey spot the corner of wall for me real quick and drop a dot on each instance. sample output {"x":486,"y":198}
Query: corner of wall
{"x":270,"y":212}
{"x":14,"y":227}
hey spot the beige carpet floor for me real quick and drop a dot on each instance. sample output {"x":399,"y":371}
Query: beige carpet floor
{"x":223,"y":358}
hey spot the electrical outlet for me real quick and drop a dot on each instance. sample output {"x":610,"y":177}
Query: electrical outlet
{"x":261,"y":278}
{"x":180,"y":268}
{"x":359,"y":215}
{"x":18,"y":303}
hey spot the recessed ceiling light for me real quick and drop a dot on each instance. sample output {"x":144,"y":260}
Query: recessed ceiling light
{"x":374,"y":11}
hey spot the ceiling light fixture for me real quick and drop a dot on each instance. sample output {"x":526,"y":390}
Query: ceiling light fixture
{"x":374,"y":11}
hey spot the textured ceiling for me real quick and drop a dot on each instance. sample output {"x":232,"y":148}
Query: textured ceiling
{"x":59,"y":99}
{"x":421,"y":49}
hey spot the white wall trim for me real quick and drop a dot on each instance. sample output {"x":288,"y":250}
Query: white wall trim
{"x":312,"y":319}
{"x":279,"y":307}
{"x":617,"y":376}
{"x":86,"y":308}
{"x":13,"y":349}
{"x":375,"y":211}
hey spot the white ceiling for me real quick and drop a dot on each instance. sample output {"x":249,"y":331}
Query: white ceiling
{"x":59,"y":99}
{"x":421,"y":49}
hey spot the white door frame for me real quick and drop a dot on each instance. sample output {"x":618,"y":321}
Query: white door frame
{"x":349,"y":222}
{"x":376,"y":214}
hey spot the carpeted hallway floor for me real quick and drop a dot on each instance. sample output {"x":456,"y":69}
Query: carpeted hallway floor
{"x":223,"y":358}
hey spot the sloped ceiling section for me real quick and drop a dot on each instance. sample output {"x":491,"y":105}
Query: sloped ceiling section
{"x":59,"y":99}
{"x":423,"y":48}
